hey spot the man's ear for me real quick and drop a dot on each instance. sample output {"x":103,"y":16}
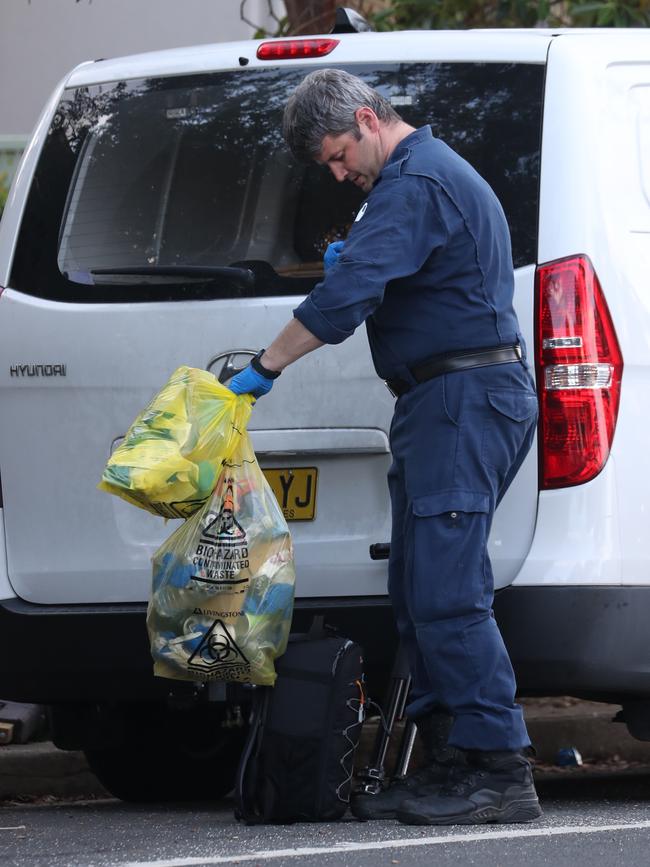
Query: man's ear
{"x":366,"y":117}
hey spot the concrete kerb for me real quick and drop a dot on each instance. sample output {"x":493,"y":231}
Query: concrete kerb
{"x":588,"y":726}
{"x":38,"y":770}
{"x":556,"y":724}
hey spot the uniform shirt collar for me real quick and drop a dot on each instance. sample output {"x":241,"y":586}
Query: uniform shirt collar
{"x":413,"y":138}
{"x":402,"y":150}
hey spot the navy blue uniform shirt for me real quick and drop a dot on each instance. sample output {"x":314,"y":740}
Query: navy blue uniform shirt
{"x":427,"y":263}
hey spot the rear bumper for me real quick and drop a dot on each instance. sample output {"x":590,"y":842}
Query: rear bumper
{"x":591,"y":642}
{"x":59,"y":653}
{"x":586,"y":641}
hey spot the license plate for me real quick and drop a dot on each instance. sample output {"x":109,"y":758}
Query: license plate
{"x":295,"y":490}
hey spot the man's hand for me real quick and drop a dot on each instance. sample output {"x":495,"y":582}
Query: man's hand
{"x":332,"y":254}
{"x":292,"y":343}
{"x":248,"y":381}
{"x":254,"y":379}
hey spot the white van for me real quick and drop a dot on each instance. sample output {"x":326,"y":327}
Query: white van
{"x":146,"y":177}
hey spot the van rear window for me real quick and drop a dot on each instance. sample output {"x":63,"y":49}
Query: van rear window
{"x":139,"y":182}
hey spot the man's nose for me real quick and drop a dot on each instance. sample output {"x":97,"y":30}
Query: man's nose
{"x":338,"y":171}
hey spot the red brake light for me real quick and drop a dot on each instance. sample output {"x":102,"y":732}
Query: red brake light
{"x":579,"y":371}
{"x":290,"y":49}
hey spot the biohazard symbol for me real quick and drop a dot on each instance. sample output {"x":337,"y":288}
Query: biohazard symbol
{"x":218,"y":649}
{"x":224,"y":529}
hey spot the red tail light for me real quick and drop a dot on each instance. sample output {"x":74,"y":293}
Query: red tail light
{"x":290,"y":49}
{"x":579,"y":371}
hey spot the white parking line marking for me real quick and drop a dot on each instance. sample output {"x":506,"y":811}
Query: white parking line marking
{"x":14,"y":828}
{"x":269,"y":855}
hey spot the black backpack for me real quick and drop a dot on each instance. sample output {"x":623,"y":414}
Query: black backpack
{"x":298,"y":760}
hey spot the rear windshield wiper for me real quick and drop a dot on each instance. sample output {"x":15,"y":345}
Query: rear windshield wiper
{"x":242,"y":278}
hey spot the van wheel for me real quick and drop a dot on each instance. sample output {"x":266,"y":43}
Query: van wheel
{"x":636,"y":715}
{"x":189,"y":757}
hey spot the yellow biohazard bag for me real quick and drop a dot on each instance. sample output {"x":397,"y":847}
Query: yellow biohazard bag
{"x":172,"y":454}
{"x":223,"y":583}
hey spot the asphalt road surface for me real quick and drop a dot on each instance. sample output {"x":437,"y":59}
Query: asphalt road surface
{"x":594,"y":821}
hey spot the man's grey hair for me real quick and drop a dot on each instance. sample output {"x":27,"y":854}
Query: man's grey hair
{"x":323,"y":104}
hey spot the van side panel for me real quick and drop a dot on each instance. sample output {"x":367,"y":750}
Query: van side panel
{"x":594,"y":201}
{"x":626,"y":184}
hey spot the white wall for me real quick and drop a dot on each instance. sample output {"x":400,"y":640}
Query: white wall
{"x":41,"y":40}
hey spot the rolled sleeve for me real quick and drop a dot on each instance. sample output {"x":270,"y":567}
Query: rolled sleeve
{"x":320,"y":326}
{"x":392,"y":238}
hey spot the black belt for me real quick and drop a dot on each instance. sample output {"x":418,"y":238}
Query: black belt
{"x":453,"y":362}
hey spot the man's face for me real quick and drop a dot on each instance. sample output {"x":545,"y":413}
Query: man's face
{"x":357,"y":160}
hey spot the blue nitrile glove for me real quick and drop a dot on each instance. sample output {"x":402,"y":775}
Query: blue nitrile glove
{"x":278,"y":598}
{"x":332,"y":253}
{"x":254,"y":379}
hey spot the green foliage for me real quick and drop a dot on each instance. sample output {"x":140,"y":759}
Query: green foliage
{"x":282,"y":28}
{"x":281,"y":24}
{"x":459,"y":14}
{"x":452,"y":14}
{"x":611,"y":14}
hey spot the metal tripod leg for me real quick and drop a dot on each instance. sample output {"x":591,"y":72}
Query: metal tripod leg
{"x":406,"y":750}
{"x":372,"y":777}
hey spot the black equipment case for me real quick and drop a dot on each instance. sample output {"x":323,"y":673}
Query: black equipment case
{"x":297,"y":764}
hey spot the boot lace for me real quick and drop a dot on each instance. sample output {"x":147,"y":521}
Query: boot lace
{"x":421,"y":777}
{"x":462,"y":780}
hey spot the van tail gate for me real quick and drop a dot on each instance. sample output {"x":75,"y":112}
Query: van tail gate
{"x":579,"y":370}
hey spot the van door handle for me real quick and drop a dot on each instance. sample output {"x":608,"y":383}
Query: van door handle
{"x":380,"y":551}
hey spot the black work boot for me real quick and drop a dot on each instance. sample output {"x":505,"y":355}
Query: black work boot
{"x":493,"y":787}
{"x":433,"y":731}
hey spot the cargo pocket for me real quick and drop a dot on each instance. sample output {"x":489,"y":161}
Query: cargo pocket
{"x":447,"y":555}
{"x":512,"y":413}
{"x":450,"y":502}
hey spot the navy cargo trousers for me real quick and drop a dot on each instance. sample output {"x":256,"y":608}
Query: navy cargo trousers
{"x":457,"y":442}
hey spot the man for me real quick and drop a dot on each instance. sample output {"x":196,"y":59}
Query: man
{"x":427,"y":266}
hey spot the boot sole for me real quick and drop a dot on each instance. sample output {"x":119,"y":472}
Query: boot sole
{"x":370,"y":814}
{"x":516,"y":811}
{"x":368,"y":811}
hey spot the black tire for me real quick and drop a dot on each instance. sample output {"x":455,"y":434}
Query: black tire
{"x":170,"y":756}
